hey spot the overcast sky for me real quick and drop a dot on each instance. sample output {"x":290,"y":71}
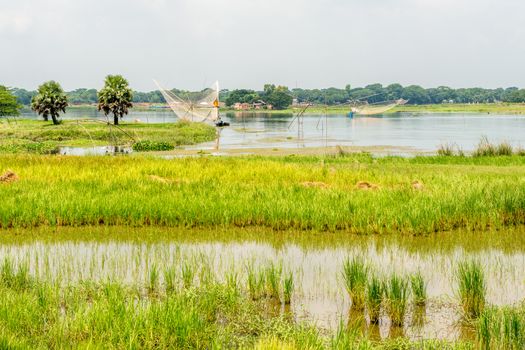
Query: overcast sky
{"x":246,"y":43}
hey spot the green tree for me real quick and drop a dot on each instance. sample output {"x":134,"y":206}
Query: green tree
{"x":116,"y":97}
{"x":279,"y":97}
{"x":9,"y":106}
{"x":50,"y":100}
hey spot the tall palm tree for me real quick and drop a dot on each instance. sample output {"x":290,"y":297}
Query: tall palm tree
{"x":116,"y":97}
{"x":50,"y":100}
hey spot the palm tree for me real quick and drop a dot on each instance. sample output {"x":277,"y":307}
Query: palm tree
{"x":116,"y":97}
{"x":50,"y":101}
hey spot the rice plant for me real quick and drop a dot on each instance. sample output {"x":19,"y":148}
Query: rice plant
{"x":374,"y":298}
{"x":472,"y":288}
{"x":188,"y":274}
{"x":501,"y":328}
{"x":396,"y":299}
{"x":153,"y":280}
{"x":273,"y":280}
{"x":288,"y":288}
{"x":419,"y":289}
{"x":355,"y":273}
{"x":170,"y":276}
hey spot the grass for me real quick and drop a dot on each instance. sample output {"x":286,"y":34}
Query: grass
{"x":458,"y":193}
{"x":501,"y":328}
{"x":33,"y":136}
{"x":472,"y":289}
{"x":418,"y":288}
{"x":396,"y":299}
{"x":355,"y":275}
{"x":374,"y":298}
{"x":484,"y":108}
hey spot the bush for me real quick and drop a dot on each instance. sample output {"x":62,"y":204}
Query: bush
{"x":147,"y":146}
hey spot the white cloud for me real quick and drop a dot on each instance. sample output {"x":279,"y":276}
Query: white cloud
{"x":246,"y":43}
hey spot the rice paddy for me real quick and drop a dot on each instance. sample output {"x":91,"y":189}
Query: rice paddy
{"x":321,"y":252}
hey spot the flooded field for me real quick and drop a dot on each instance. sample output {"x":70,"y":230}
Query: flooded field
{"x":130,"y":256}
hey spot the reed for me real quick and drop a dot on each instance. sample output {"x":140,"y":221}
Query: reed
{"x":501,"y":328}
{"x":472,"y":288}
{"x":170,"y":276}
{"x":419,"y":289}
{"x":273,"y":275}
{"x":374,"y":298}
{"x":188,"y":272}
{"x":355,"y":275}
{"x":153,"y":280}
{"x":397,"y":299}
{"x":288,"y":288}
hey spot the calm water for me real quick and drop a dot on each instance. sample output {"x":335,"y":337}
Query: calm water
{"x":397,"y":133}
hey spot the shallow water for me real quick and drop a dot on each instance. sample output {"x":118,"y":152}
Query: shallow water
{"x":314,"y":261}
{"x":399,"y":133}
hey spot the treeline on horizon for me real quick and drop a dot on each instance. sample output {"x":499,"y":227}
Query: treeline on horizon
{"x":374,"y":93}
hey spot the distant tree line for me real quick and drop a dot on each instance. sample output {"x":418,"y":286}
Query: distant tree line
{"x":281,"y":96}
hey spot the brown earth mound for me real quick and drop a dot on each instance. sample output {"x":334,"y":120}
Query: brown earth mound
{"x":365,"y":185}
{"x":416,"y":185}
{"x":315,"y":184}
{"x":9,"y":177}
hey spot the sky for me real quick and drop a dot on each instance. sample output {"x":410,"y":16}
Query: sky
{"x":189,"y":44}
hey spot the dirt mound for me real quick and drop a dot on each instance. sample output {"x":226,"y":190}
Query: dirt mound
{"x":160,"y":179}
{"x":365,"y":185}
{"x":310,"y":184}
{"x":416,"y":185}
{"x":8,"y":177}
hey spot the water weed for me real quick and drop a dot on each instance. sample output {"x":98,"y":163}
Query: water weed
{"x":355,"y":274}
{"x":472,"y":288}
{"x":419,"y":289}
{"x":396,"y":299}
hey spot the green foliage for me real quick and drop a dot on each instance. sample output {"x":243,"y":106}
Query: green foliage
{"x":396,"y":299}
{"x":9,"y":106}
{"x":419,"y":289}
{"x":501,"y":328}
{"x":288,"y":287}
{"x":50,"y":101}
{"x":146,"y":146}
{"x":374,"y":298}
{"x":241,"y":96}
{"x":355,"y":272}
{"x":472,"y":288}
{"x":279,"y":97}
{"x":115,"y":97}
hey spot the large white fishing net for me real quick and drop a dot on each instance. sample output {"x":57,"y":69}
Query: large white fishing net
{"x":379,"y":108}
{"x":195,"y":107}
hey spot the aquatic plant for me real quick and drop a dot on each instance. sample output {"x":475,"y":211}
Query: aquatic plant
{"x":188,"y":274}
{"x":153,"y":280}
{"x":396,"y":295}
{"x":288,"y":288}
{"x":170,"y":276}
{"x":148,"y":146}
{"x":419,"y":288}
{"x":355,"y":274}
{"x":273,"y":280}
{"x":374,"y":298}
{"x":501,"y":328}
{"x":472,"y":288}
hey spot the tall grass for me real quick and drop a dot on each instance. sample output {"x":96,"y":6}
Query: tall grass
{"x":288,"y":288}
{"x":242,"y":192}
{"x":472,"y":288}
{"x":374,"y":298}
{"x":355,"y":275}
{"x":397,"y":299}
{"x":419,"y":289}
{"x":501,"y":328}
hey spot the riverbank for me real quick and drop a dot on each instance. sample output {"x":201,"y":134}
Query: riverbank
{"x":35,"y":136}
{"x":354,"y":193}
{"x":483,"y":108}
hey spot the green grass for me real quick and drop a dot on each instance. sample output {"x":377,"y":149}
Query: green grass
{"x":501,"y":328}
{"x":374,"y":298}
{"x":472,"y":289}
{"x":396,"y":299}
{"x":355,"y":276}
{"x":33,"y":136}
{"x":484,"y":108}
{"x":419,"y":289}
{"x":458,"y":193}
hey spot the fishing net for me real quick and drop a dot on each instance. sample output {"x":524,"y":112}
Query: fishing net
{"x":199,"y":106}
{"x":379,"y":108}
